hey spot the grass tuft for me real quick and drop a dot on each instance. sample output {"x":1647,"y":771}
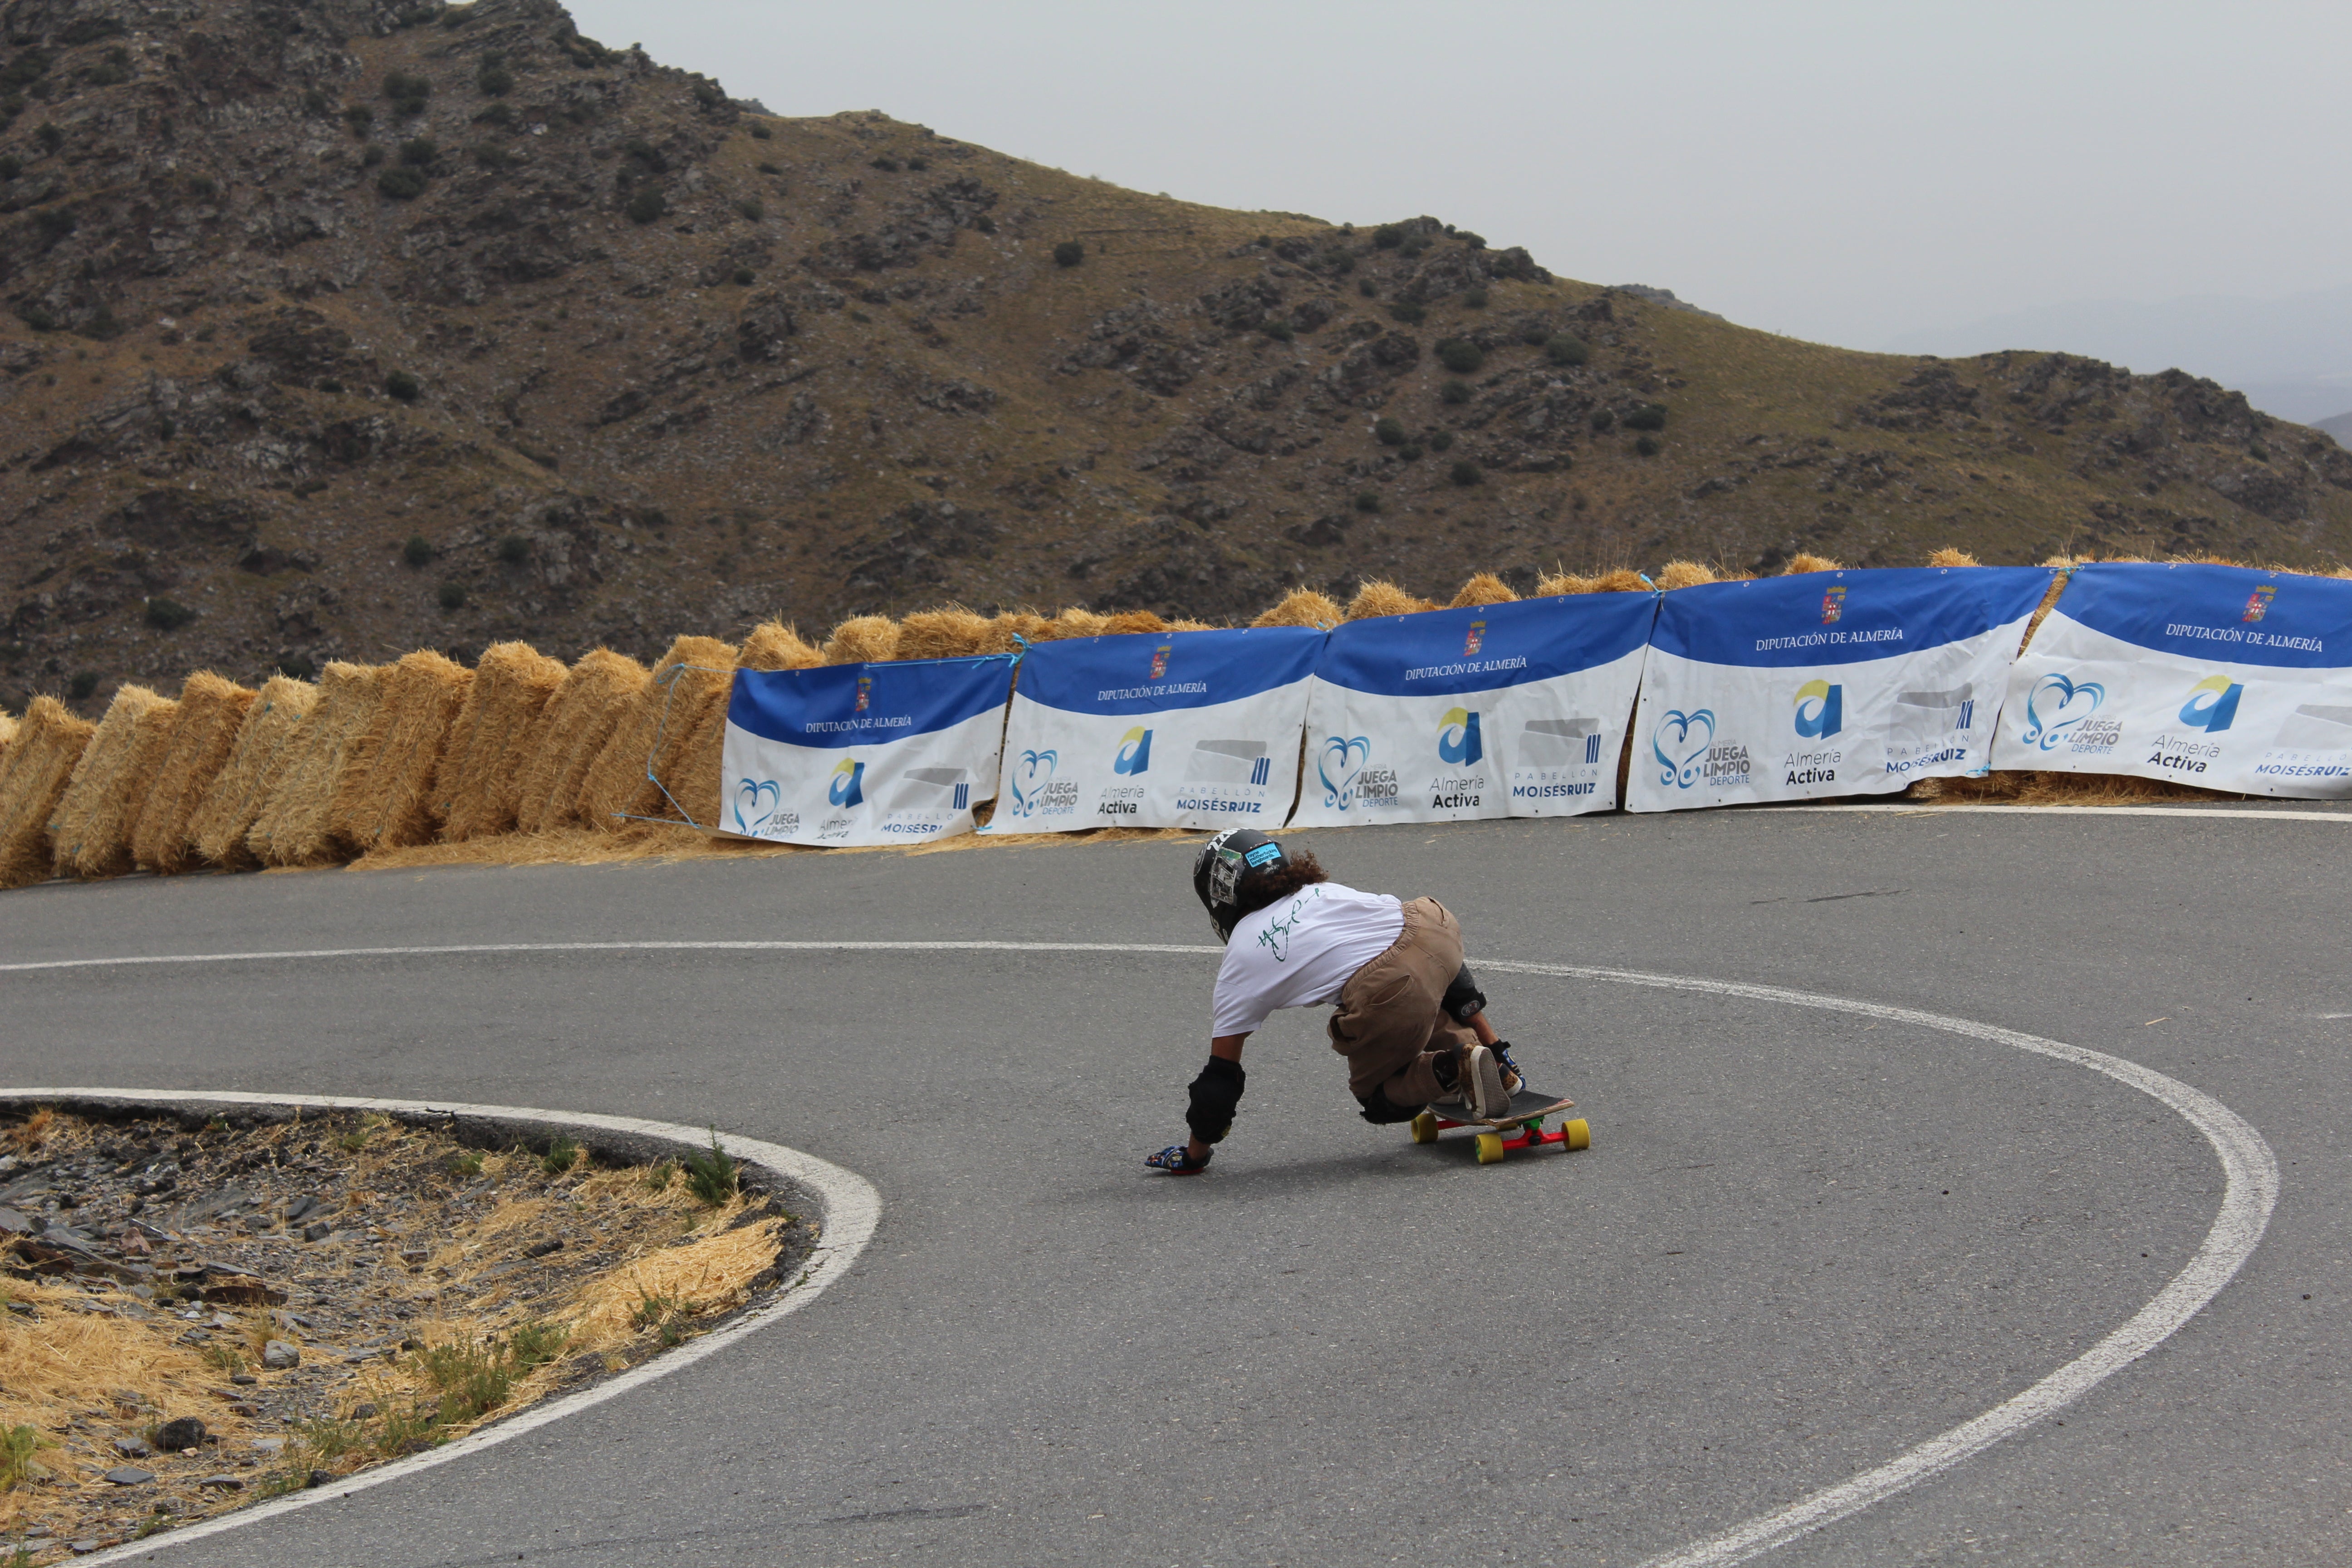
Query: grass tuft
{"x":712,"y":1178}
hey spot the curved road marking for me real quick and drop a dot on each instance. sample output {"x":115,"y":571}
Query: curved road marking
{"x":2250,"y":1193}
{"x":851,"y":1207}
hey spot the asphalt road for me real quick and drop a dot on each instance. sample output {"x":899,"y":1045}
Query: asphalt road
{"x":1800,"y":1243}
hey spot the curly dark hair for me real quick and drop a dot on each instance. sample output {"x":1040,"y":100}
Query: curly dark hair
{"x":1299,"y":868}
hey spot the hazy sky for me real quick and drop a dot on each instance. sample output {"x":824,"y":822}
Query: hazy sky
{"x":1854,"y":174}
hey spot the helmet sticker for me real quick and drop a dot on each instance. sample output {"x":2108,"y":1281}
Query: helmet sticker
{"x":1263,"y":855}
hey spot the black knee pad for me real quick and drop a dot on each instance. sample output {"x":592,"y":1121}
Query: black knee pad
{"x":1463,"y":1000}
{"x":1378,"y":1108}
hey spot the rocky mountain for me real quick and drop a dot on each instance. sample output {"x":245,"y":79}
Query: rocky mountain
{"x":336,"y":328}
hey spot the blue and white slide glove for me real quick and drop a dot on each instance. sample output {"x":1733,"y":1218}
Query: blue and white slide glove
{"x":1177,"y":1161}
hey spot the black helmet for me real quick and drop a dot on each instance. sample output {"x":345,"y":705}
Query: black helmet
{"x":1223,"y":864}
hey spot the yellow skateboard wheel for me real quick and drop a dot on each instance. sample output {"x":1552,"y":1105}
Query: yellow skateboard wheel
{"x":1579,"y":1134}
{"x":1490,"y":1147}
{"x":1424,"y":1127}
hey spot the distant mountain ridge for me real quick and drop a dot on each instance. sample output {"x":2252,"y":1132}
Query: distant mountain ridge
{"x":340,"y":329}
{"x":2292,"y":355}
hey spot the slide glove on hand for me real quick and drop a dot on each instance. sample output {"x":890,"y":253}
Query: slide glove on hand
{"x":1216,"y":1094}
{"x":1177,"y":1161}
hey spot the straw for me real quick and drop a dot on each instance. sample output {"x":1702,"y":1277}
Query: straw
{"x":615,"y":782}
{"x":1382,"y":598}
{"x":1485,"y":588}
{"x":476,"y":784}
{"x":1949,"y":556}
{"x":1804,"y":562}
{"x":383,"y":792}
{"x":34,"y":773}
{"x":953,"y":632}
{"x":774,"y":645}
{"x":579,"y":718}
{"x":1557,"y":583}
{"x":92,"y":829}
{"x":295,"y":826}
{"x":1622,"y":581}
{"x":212,"y":710}
{"x":1684,"y":574}
{"x":1303,"y":607}
{"x":225,"y":815}
{"x":863,"y":639}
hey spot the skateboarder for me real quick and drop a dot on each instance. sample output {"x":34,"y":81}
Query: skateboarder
{"x":1410,"y":1020}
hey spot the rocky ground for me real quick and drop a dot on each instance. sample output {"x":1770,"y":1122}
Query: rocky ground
{"x":340,"y":329}
{"x":199,"y":1315}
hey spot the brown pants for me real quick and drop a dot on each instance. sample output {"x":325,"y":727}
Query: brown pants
{"x":1390,"y":1024}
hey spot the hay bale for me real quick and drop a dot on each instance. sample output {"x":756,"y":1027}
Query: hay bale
{"x":662,"y":714}
{"x":1376,"y":598}
{"x":384,"y":794}
{"x":772,"y":644}
{"x":952,"y":632}
{"x":1804,"y":562}
{"x":1684,"y":574}
{"x":225,"y":815}
{"x":1027,"y":625}
{"x":581,"y":717}
{"x":212,"y":712}
{"x":476,"y":784}
{"x":39,"y":763}
{"x":110,"y":784}
{"x":1181,"y":625}
{"x":1624,"y":580}
{"x":1947,"y":556}
{"x":1129,"y":622}
{"x":1301,"y":607}
{"x":295,"y":826}
{"x":863,"y":639}
{"x":1485,"y":588}
{"x":1555,"y":584}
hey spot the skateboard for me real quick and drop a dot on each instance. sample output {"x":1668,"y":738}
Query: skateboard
{"x":1521,"y":1128}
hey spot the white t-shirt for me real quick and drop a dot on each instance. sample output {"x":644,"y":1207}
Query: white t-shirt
{"x":1297,"y":952}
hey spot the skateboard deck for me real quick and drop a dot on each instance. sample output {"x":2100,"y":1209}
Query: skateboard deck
{"x":1519,"y":1127}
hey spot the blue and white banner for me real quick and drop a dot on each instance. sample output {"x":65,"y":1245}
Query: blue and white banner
{"x":1828,"y":683}
{"x":863,"y":753}
{"x":2224,"y":677}
{"x":1182,"y":730}
{"x":1513,"y":709}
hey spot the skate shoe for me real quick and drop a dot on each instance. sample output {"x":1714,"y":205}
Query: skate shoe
{"x":1482,"y":1083}
{"x":1514,"y":1079}
{"x":1448,"y":1070}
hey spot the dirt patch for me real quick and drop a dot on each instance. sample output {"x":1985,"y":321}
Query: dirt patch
{"x":204,"y":1310}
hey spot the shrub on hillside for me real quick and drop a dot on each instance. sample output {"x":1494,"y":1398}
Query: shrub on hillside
{"x":1388,"y":432}
{"x":1388,"y":236}
{"x":402,"y":183}
{"x":418,"y":550}
{"x":451,"y":596}
{"x":647,"y":205}
{"x":168,"y":614}
{"x":887,"y":163}
{"x":418,"y":152}
{"x":1565,"y":348}
{"x":407,"y":93}
{"x":750,"y":207}
{"x":1069,"y":253}
{"x":514,"y":549}
{"x":1368,"y":288}
{"x":1603,"y":419}
{"x":1461,"y":356}
{"x":403,"y":385}
{"x":744,"y":277}
{"x":1476,"y":298}
{"x":1368,"y":500}
{"x":1405,"y":310}
{"x":1647,"y":446}
{"x":359,"y":117}
{"x":1281,"y":331}
{"x":493,"y":79}
{"x":489,"y":155}
{"x":1648,"y":416}
{"x":759,"y":130}
{"x":1474,"y":241}
{"x":1454,"y":392}
{"x":1466,"y":473}
{"x":1410,"y":451}
{"x":501,"y":115}
{"x":1441,"y":440}
{"x":371,"y":155}
{"x":84,"y":682}
{"x":49,"y":137}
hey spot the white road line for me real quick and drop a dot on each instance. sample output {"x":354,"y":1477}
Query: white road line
{"x":1927,"y":808}
{"x":2250,"y":1190}
{"x":2250,"y":1193}
{"x":852,"y":1209}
